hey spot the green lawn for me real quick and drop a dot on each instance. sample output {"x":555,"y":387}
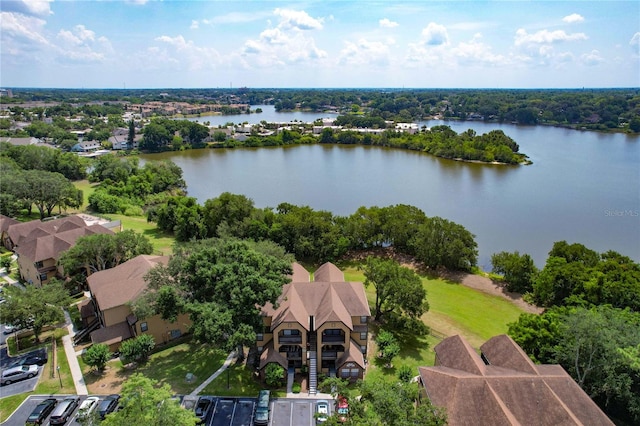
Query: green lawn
{"x":454,"y":309}
{"x":240,"y":379}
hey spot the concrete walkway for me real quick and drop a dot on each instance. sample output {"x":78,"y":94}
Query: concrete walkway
{"x":230,"y":358}
{"x":72,"y":359}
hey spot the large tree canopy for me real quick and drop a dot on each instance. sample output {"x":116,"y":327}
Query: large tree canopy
{"x":223,"y":284}
{"x":398,"y":289}
{"x":35,"y":307}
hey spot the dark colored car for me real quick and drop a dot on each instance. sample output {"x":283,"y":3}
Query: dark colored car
{"x":202,"y":408}
{"x":32,"y":360}
{"x":41,"y":411}
{"x":108,"y":405}
{"x":64,"y":410}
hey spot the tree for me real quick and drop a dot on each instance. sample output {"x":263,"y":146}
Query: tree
{"x":230,"y":208}
{"x":223,"y":284}
{"x":274,"y":374}
{"x":518,"y":270}
{"x":156,"y":137}
{"x":97,"y":356}
{"x":405,"y":373}
{"x":439,"y":242}
{"x":131,"y":136}
{"x":35,"y":307}
{"x":398,"y":289}
{"x":144,"y":402}
{"x":388,"y":347}
{"x":98,"y":252}
{"x":137,"y":349}
{"x":47,"y":189}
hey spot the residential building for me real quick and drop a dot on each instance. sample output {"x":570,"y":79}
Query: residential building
{"x":39,"y":244}
{"x":320,"y":326}
{"x":502,"y":386}
{"x":5,"y":223}
{"x":112,"y":292}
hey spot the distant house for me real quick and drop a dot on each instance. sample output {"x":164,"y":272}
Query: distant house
{"x":86,"y":146}
{"x":320,"y":324}
{"x":502,"y":386}
{"x":112,"y":291}
{"x":5,"y":223}
{"x":39,"y":244}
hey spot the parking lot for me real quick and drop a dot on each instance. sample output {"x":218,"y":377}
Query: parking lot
{"x":226,"y":411}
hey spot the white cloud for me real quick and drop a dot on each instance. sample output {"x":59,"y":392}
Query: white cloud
{"x":435,"y":34}
{"x":635,"y":40}
{"x":288,"y":42}
{"x":80,"y":45}
{"x":592,"y":58}
{"x":137,"y":2}
{"x":298,"y":19}
{"x":22,"y":29}
{"x":364,"y":52}
{"x":386,"y":23}
{"x":188,"y":53}
{"x":476,"y":52}
{"x":194,"y":25}
{"x":40,"y":8}
{"x":573,"y":18}
{"x":546,"y":37}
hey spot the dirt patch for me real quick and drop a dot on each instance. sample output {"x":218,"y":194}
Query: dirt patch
{"x":108,"y":381}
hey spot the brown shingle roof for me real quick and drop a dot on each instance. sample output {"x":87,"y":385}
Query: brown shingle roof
{"x":510,"y":391}
{"x":325,"y":301}
{"x":269,"y":354}
{"x":23,"y":230}
{"x":6,"y":222}
{"x":115,"y":333}
{"x":328,"y":272}
{"x":300,"y":274}
{"x":353,"y":354}
{"x":49,"y":246}
{"x":124,"y":283}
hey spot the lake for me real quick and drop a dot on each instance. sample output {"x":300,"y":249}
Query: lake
{"x":582,"y":186}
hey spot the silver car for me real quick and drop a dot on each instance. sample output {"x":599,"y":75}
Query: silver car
{"x":15,"y":374}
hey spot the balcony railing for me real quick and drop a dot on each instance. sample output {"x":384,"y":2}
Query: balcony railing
{"x":329,"y":354}
{"x":290,"y":339}
{"x":332,"y":339}
{"x":294,"y":355}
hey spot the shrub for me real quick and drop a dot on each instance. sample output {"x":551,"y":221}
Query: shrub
{"x":296,"y":388}
{"x":137,"y":349}
{"x":274,"y":374}
{"x":97,"y":356}
{"x":405,"y":373}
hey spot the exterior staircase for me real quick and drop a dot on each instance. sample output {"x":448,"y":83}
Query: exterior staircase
{"x":313,"y":373}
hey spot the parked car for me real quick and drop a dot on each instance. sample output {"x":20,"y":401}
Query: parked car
{"x":342,"y":408}
{"x":14,"y":374}
{"x":87,"y":407}
{"x":42,"y":410}
{"x":108,"y":405}
{"x":63,"y":411}
{"x":322,"y":411}
{"x":262,"y":408}
{"x":32,"y":360}
{"x":202,"y":408}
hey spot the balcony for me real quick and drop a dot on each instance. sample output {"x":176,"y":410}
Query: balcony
{"x":329,"y":355}
{"x":294,"y":355}
{"x":332,"y":338}
{"x":289,"y":339}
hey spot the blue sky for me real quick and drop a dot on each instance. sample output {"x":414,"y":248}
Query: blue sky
{"x":422,"y":44}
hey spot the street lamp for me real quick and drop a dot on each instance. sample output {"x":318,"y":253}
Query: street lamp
{"x":59,"y":377}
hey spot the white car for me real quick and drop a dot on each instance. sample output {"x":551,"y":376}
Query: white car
{"x":322,"y":411}
{"x":14,"y":374}
{"x":87,"y":407}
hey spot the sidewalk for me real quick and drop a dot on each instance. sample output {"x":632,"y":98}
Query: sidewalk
{"x":72,"y":359}
{"x":230,"y":358}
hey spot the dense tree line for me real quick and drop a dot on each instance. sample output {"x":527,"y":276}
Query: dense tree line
{"x":597,"y":109}
{"x":167,"y":134}
{"x":318,"y":235}
{"x":127,"y":188}
{"x":32,"y":157}
{"x":573,"y":275}
{"x":22,"y":189}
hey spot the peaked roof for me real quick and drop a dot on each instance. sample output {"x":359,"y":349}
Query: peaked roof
{"x":509,"y":390}
{"x":6,"y":222}
{"x":40,"y":245}
{"x":25,"y":231}
{"x":124,"y":283}
{"x":323,"y":300}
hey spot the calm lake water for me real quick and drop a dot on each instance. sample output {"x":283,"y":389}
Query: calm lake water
{"x":582,"y":186}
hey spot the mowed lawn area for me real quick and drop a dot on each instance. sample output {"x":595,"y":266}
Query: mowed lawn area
{"x":162,"y":241}
{"x":454,"y":309}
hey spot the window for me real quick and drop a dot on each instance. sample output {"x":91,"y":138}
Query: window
{"x":288,"y":332}
{"x":363,"y":349}
{"x":144,"y":326}
{"x":332,"y":332}
{"x":355,"y":372}
{"x":363,"y":319}
{"x":43,"y":277}
{"x":39,"y":264}
{"x":350,"y":372}
{"x":175,"y":334}
{"x":259,"y":337}
{"x":260,"y":349}
{"x":363,"y":335}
